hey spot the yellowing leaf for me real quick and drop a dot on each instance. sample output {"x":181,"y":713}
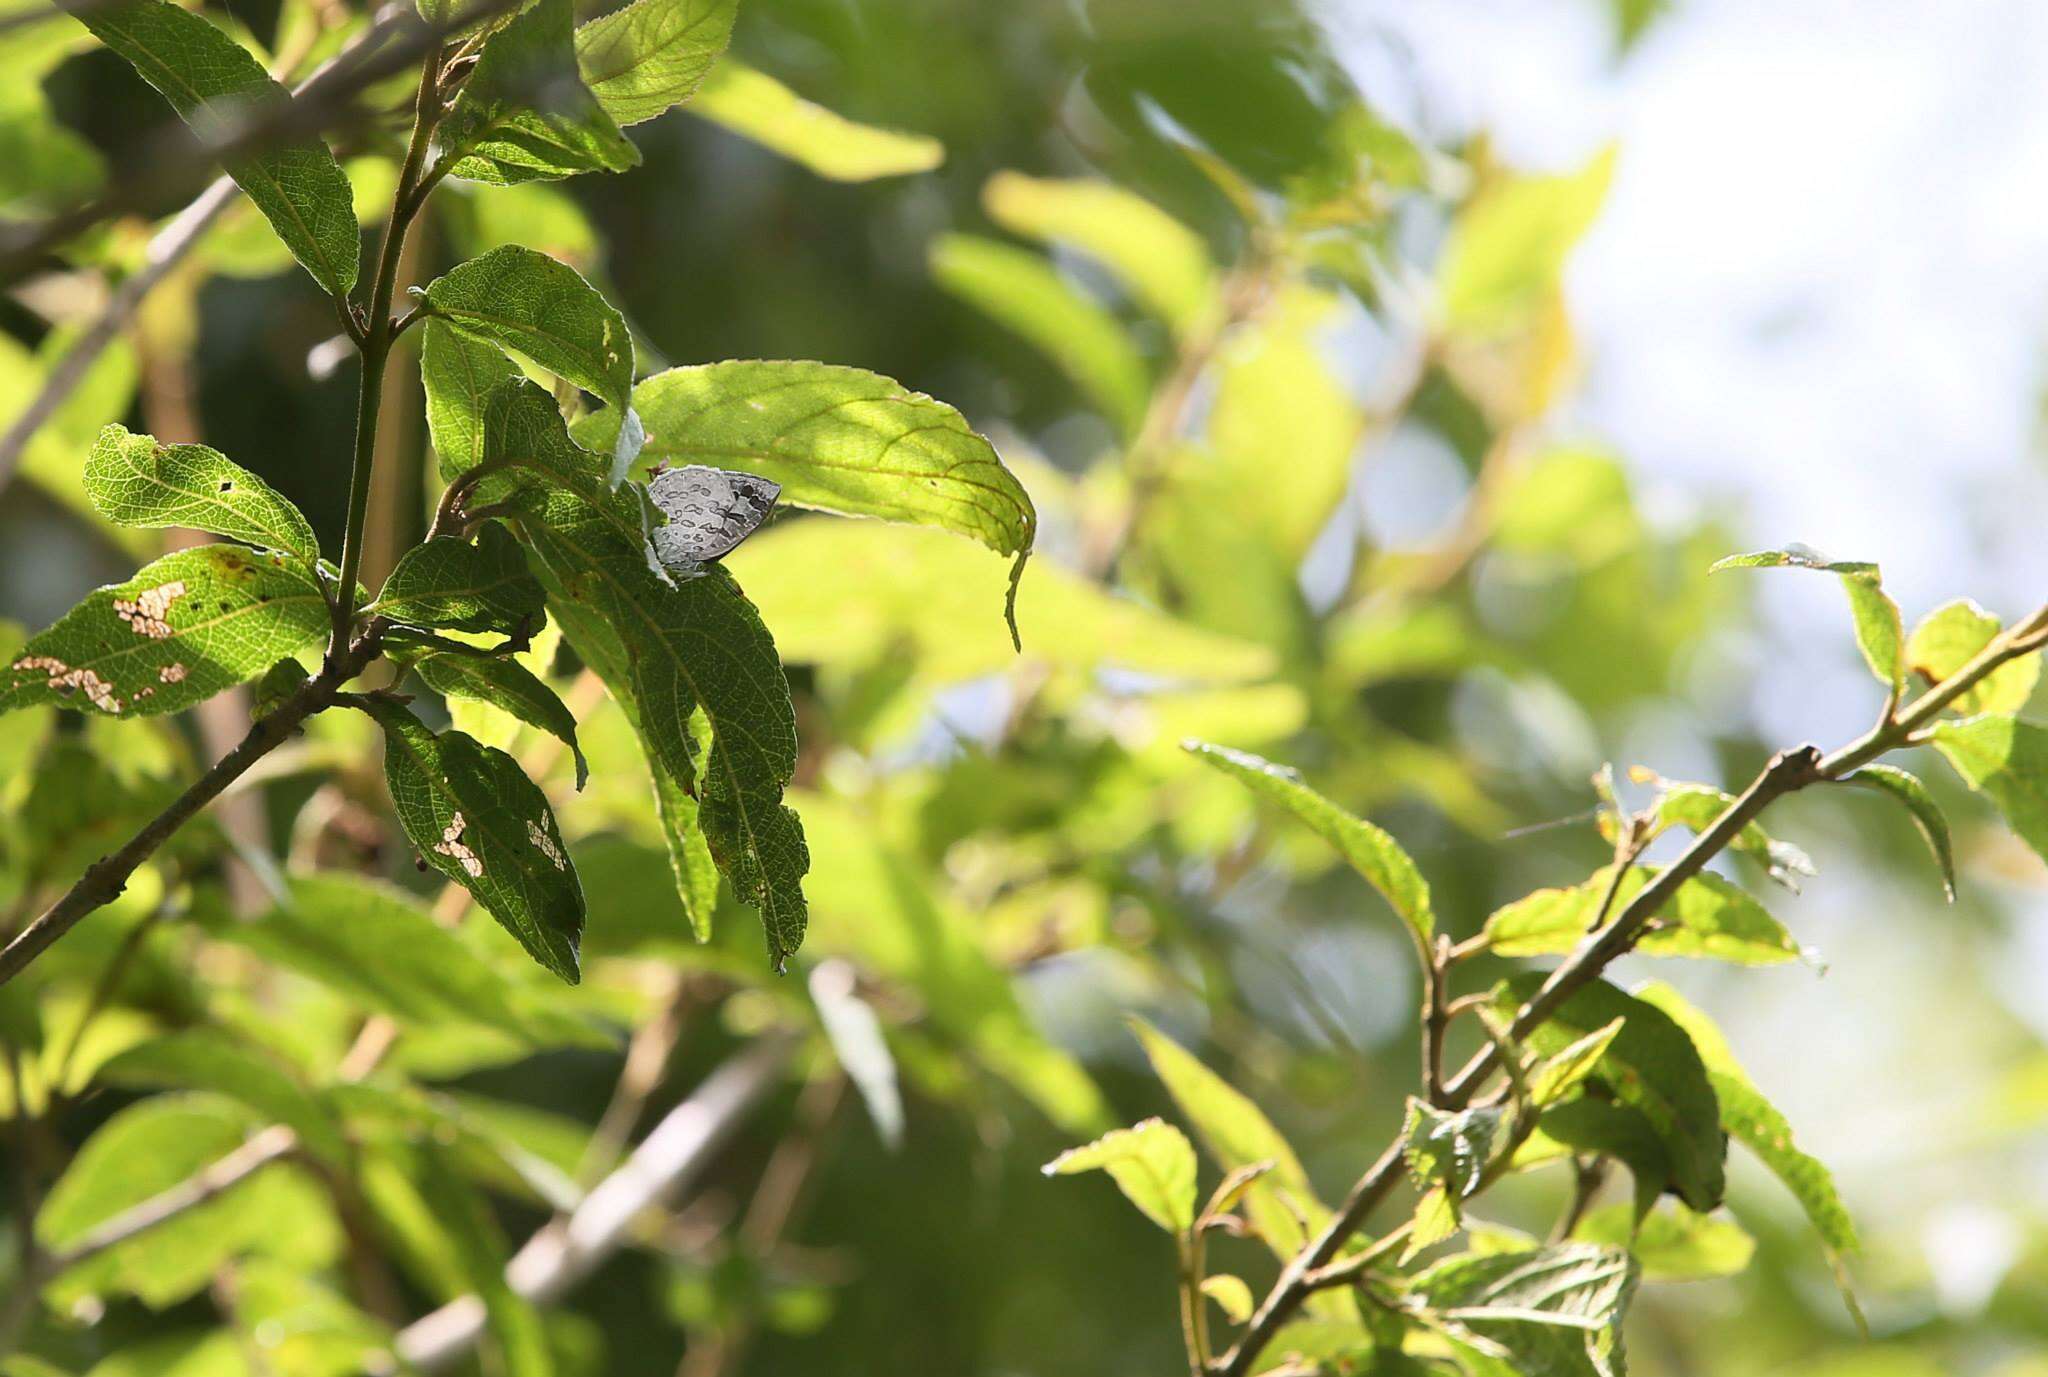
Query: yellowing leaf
{"x":1151,"y":1164}
{"x":1507,"y":248}
{"x":1949,"y":637}
{"x":1281,"y":1204}
{"x":756,"y":106}
{"x":1162,"y":263}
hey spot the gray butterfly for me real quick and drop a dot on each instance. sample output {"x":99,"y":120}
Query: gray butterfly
{"x":710,"y":511}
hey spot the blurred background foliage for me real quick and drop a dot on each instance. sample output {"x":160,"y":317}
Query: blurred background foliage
{"x":1285,"y":381}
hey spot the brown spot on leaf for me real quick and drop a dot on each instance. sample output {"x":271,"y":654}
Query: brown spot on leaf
{"x":144,"y":612}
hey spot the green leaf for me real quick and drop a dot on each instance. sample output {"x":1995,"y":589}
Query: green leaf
{"x":1561,"y":1074}
{"x":1592,"y":1123}
{"x":475,"y":817}
{"x":1754,"y":1122}
{"x":837,"y":439}
{"x":218,"y":88}
{"x":448,"y":582}
{"x":381,"y":949}
{"x":1880,"y":633}
{"x":1446,"y":1148}
{"x":522,"y":300}
{"x":1435,"y":1219}
{"x":756,"y":106}
{"x":1151,"y":1164}
{"x":690,"y":861}
{"x":1162,"y":263}
{"x":1506,"y":252}
{"x":504,"y":683}
{"x":1025,"y":293}
{"x":1651,"y":1066}
{"x":2004,"y":757}
{"x":1673,"y":1244}
{"x":305,"y":1329}
{"x":1371,"y":852}
{"x":1708,"y":918}
{"x":1232,"y":1296}
{"x":1950,"y":637}
{"x":1926,"y":813}
{"x":524,"y":113}
{"x":135,"y":481}
{"x":179,"y":1353}
{"x":459,"y":373}
{"x":1550,"y":1312}
{"x":147,"y":1149}
{"x":1278,"y":408}
{"x":1281,"y":1205}
{"x":652,"y":54}
{"x":209,"y":1059}
{"x":677,"y":651}
{"x":186,"y":627}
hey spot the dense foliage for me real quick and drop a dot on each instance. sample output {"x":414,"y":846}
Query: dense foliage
{"x":1041,"y":766}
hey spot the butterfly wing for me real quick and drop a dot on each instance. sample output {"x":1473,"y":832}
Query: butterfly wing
{"x":710,"y":511}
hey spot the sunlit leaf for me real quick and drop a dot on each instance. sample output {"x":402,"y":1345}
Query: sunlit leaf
{"x":1507,"y":249}
{"x":524,"y":113}
{"x":219,"y":88}
{"x":838,"y":439}
{"x":523,"y":300}
{"x":1562,"y":1073}
{"x":1370,"y":851}
{"x":136,"y":481}
{"x":1232,"y":1296}
{"x":1025,"y":293}
{"x":459,"y":373}
{"x":1950,"y":637}
{"x":150,"y":1147}
{"x":926,"y":596}
{"x":1151,"y":1163}
{"x":1919,"y":803}
{"x":1162,"y":263}
{"x":209,"y":1059}
{"x":1281,"y":1205}
{"x":1880,"y":634}
{"x":652,"y":54}
{"x":1672,"y":1244}
{"x":756,"y":106}
{"x":185,"y":627}
{"x":2004,"y":757}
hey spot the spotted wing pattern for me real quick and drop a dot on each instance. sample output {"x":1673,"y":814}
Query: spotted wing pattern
{"x":710,"y":511}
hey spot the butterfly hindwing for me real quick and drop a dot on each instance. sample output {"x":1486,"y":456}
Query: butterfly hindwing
{"x":710,"y":511}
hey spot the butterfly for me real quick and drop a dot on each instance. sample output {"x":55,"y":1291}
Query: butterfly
{"x":710,"y":511}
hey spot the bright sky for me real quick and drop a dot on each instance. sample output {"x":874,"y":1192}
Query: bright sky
{"x":1819,"y":290}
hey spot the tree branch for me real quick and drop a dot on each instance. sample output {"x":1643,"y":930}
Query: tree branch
{"x":567,"y":1250}
{"x":1787,"y":772}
